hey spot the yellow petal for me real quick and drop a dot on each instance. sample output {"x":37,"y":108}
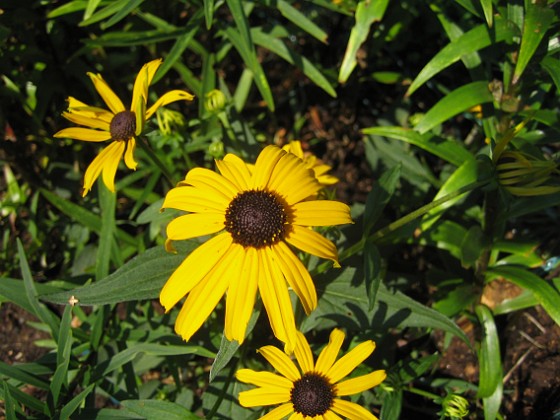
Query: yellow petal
{"x":81,"y":119}
{"x":276,"y":299}
{"x":321,"y":213}
{"x":292,"y":180}
{"x":297,"y":276}
{"x":191,"y":271}
{"x":330,"y":352}
{"x":264,"y":166}
{"x":241,"y":294}
{"x":102,"y":160}
{"x":264,"y":396}
{"x":195,"y":200}
{"x":281,"y":362}
{"x":348,"y":362}
{"x":110,"y":98}
{"x":114,"y":154}
{"x":84,"y":134}
{"x":263,"y":379}
{"x":351,"y":410}
{"x":216,"y":183}
{"x":193,"y":225}
{"x":143,"y":80}
{"x":129,"y":154}
{"x":303,"y":354}
{"x":330,"y":415}
{"x":294,"y":147}
{"x":360,"y":383}
{"x":235,"y":170}
{"x":167,"y":98}
{"x":299,"y":416}
{"x":77,"y":107}
{"x":204,"y":297}
{"x":313,"y":243}
{"x":279,"y":412}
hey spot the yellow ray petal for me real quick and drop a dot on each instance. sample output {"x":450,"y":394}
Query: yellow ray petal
{"x":294,"y":147}
{"x":98,"y":164}
{"x":84,"y":134}
{"x":81,"y":119}
{"x":299,"y":416}
{"x":292,"y":180}
{"x":313,"y":243}
{"x":360,"y":383}
{"x":297,"y":276}
{"x":110,"y":98}
{"x":167,"y":98}
{"x":263,"y":379}
{"x":241,"y":295}
{"x":303,"y":354}
{"x":193,"y":269}
{"x":129,"y":154}
{"x":276,"y":299}
{"x":194,"y":200}
{"x":78,"y":107}
{"x":193,"y":225}
{"x":264,"y":166}
{"x":264,"y":396}
{"x":205,"y":178}
{"x":204,"y":297}
{"x":349,"y":361}
{"x":351,"y":410}
{"x":114,"y":154}
{"x":321,"y":213}
{"x":143,"y":80}
{"x":330,"y":352}
{"x":279,"y":412}
{"x":235,"y":170}
{"x":331,"y":415}
{"x":281,"y":362}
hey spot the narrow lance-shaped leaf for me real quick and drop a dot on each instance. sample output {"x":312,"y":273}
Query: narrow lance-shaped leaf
{"x":489,"y":356}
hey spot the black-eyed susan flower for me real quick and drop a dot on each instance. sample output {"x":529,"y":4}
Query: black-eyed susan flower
{"x":313,"y":391}
{"x":119,"y":124}
{"x":312,"y":162}
{"x":258,"y":212}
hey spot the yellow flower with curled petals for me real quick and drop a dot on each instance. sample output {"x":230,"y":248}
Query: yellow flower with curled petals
{"x":313,"y":391}
{"x":312,"y":162}
{"x":258,"y":213}
{"x":119,"y":124}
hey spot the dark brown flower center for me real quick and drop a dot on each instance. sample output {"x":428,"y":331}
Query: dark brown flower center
{"x":123,"y":125}
{"x":256,"y":218}
{"x":312,"y":395}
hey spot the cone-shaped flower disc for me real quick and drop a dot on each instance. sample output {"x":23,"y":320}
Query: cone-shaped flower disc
{"x":313,"y":390}
{"x":256,"y":211}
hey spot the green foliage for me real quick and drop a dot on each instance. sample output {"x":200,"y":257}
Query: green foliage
{"x":446,"y":110}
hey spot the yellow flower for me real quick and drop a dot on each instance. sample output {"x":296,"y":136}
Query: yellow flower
{"x":118,"y":124}
{"x":312,"y":162}
{"x":312,"y":391}
{"x":258,"y":212}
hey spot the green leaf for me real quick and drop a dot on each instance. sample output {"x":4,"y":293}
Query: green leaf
{"x":367,"y":12}
{"x":115,"y":8}
{"x":279,"y":48}
{"x":380,"y":196}
{"x":298,"y":19}
{"x":156,"y":409}
{"x":488,"y":12}
{"x":62,"y":357}
{"x":140,"y":278}
{"x":474,"y":40}
{"x":372,"y":271}
{"x":208,"y":12}
{"x":472,"y":246}
{"x":14,"y":291}
{"x":133,"y":38}
{"x":489,"y":356}
{"x":493,"y":403}
{"x":445,"y":148}
{"x":126,"y":9}
{"x":544,"y":292}
{"x":107,"y":203}
{"x":344,"y":302}
{"x":17,"y":373}
{"x":464,"y":175}
{"x":445,"y":235}
{"x":9,"y":406}
{"x":75,"y":402}
{"x":455,"y":102}
{"x":70,"y":7}
{"x":538,"y":17}
{"x":523,"y":206}
{"x":552,"y":66}
{"x":23,"y":398}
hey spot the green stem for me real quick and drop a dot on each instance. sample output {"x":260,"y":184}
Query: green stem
{"x":142,"y":142}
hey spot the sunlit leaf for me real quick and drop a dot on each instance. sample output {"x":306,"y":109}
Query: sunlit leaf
{"x":489,"y":356}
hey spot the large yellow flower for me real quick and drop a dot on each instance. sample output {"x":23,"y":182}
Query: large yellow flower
{"x":118,"y":124}
{"x":312,"y":391}
{"x":312,"y":162}
{"x":259,"y":211}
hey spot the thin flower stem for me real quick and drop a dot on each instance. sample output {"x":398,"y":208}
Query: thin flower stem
{"x":142,"y":142}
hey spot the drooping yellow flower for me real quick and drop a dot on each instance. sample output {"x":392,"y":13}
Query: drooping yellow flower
{"x":119,"y":124}
{"x":258,"y":213}
{"x":313,"y":390}
{"x":312,"y":162}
